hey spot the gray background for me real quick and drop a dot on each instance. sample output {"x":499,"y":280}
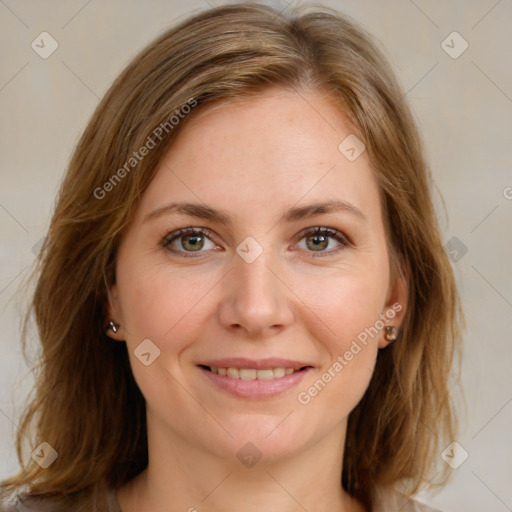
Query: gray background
{"x":464,"y":109}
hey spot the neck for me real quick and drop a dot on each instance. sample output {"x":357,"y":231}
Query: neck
{"x":181,"y":477}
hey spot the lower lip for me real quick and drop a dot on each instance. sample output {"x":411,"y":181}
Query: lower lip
{"x":255,"y":388}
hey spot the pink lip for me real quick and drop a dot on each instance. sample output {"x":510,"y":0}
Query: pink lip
{"x":258,"y":364}
{"x":255,"y":388}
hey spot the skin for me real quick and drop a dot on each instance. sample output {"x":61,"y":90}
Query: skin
{"x":254,"y":160}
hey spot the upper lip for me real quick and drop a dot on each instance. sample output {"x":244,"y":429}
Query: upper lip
{"x":258,"y":364}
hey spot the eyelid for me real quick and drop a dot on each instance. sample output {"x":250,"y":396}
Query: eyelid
{"x":330,"y":232}
{"x":188,"y":230}
{"x":344,"y":241}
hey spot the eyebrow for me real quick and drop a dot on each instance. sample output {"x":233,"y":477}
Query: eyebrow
{"x":204,"y":212}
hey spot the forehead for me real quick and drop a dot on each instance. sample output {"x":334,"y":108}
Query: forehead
{"x":278,"y":148}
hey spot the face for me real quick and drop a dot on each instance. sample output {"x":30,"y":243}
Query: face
{"x":247,"y":274}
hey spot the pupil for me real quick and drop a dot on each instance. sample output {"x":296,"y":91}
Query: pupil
{"x":319,"y":241}
{"x":193,"y":241}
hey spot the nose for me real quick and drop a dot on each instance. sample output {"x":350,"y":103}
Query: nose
{"x":255,"y":301}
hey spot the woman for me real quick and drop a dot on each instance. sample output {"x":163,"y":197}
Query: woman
{"x":243,"y":298}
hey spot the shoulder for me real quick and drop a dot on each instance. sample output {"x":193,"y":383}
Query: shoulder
{"x":389,"y":500}
{"x":80,"y":502}
{"x":25,"y":503}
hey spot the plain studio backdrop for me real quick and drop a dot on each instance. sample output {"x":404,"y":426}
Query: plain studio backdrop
{"x":453,"y":60}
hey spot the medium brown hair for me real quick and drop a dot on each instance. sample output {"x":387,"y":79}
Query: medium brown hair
{"x":86,"y":403}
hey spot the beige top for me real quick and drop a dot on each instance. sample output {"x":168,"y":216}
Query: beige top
{"x":386,"y":502}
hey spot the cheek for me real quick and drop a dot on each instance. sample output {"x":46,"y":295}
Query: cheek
{"x":348,"y":316}
{"x":334,"y":393}
{"x":345,"y":304}
{"x":156,"y":303}
{"x":167,"y":307}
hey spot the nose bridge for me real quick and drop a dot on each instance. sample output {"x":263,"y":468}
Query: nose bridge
{"x":256,"y":278}
{"x":256,"y":298}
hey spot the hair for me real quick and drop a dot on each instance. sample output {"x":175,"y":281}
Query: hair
{"x":86,"y":403}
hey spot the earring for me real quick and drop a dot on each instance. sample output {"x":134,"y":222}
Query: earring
{"x":391,"y":332}
{"x":112,"y":325}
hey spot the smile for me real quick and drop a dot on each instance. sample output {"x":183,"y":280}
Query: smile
{"x":252,"y":373}
{"x":254,"y":383}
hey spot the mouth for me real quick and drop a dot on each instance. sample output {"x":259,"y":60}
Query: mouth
{"x":253,"y":373}
{"x":254,"y":379}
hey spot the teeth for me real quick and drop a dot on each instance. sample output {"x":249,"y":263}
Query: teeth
{"x":252,"y":373}
{"x":262,"y":374}
{"x":244,"y":374}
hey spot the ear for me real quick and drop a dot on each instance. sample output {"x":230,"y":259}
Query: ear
{"x":396,"y":303}
{"x":114,"y":313}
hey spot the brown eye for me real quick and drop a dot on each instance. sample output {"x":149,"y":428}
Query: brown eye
{"x":323,"y":241}
{"x":317,"y":242}
{"x":192,"y":242}
{"x":188,"y":240}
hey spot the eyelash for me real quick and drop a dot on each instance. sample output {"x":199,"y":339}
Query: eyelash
{"x":344,"y":241}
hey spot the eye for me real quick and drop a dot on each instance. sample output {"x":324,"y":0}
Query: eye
{"x":188,"y":240}
{"x":317,"y":240}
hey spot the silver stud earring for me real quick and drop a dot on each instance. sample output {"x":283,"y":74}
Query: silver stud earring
{"x":391,"y":332}
{"x":113,"y":326}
